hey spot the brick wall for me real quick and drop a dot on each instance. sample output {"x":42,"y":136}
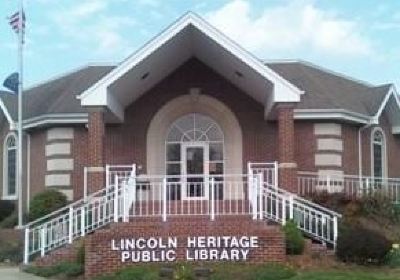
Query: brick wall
{"x":68,"y":253}
{"x":99,"y":257}
{"x":305,"y":146}
{"x":286,"y":148}
{"x":126,"y":143}
{"x":80,"y":152}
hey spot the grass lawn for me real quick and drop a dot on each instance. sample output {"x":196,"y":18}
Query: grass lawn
{"x":265,"y":272}
{"x":272,"y":272}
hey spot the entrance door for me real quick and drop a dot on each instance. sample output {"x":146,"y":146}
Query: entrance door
{"x":195,"y":171}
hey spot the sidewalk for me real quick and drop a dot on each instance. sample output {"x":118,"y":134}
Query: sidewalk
{"x":13,"y":273}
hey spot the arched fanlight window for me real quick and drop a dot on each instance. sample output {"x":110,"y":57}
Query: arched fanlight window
{"x":10,"y":167}
{"x":378,"y":153}
{"x":192,"y":129}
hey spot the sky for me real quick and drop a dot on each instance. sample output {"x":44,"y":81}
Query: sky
{"x":359,"y":38}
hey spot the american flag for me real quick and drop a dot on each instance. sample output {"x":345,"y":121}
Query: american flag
{"x":14,"y":21}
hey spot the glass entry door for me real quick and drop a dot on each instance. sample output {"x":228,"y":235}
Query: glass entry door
{"x":195,"y":171}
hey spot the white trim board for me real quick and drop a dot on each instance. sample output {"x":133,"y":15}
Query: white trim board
{"x":98,"y":94}
{"x":331,"y":114}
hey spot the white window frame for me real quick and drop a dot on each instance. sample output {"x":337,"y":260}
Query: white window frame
{"x":184,"y":147}
{"x":184,"y":144}
{"x":6,"y":195}
{"x":384,"y":152}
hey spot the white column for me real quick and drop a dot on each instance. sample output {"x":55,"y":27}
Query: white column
{"x":42,"y":241}
{"x":116,"y":189}
{"x":164,"y":200}
{"x":283,"y":210}
{"x":254,"y":187}
{"x":291,"y":207}
{"x":26,"y":248}
{"x":276,"y":174}
{"x":260,"y":195}
{"x":124,"y":202}
{"x":70,"y":225}
{"x":83,"y":221}
{"x":335,"y":231}
{"x":212,"y":200}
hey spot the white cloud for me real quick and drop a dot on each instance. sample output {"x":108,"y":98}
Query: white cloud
{"x":90,"y":25}
{"x":290,"y":25}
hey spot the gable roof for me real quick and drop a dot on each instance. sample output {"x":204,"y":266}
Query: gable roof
{"x":189,"y":36}
{"x":328,"y":90}
{"x":55,"y":97}
{"x":327,"y":95}
{"x":324,"y":90}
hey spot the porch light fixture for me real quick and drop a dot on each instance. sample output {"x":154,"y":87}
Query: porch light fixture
{"x":145,"y":75}
{"x":239,"y":74}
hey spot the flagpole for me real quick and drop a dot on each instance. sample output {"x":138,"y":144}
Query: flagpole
{"x":20,"y":92}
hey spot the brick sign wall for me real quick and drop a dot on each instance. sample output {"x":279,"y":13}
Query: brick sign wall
{"x":227,"y":239}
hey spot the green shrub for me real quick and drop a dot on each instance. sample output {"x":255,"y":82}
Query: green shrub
{"x":392,"y":259}
{"x":137,"y":273}
{"x":183,"y":272}
{"x":80,"y":256}
{"x":46,"y":202}
{"x":68,"y":269}
{"x":334,"y":201}
{"x":362,"y":246}
{"x":381,"y":206}
{"x":294,"y":238}
{"x":11,"y":251}
{"x":10,"y":222}
{"x":6,"y":209}
{"x":273,"y":272}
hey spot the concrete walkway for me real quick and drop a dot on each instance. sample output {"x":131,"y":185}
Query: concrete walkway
{"x":13,"y":273}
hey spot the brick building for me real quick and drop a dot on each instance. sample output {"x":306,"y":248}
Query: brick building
{"x":191,"y":106}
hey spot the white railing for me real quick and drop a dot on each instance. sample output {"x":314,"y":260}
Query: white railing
{"x":75,"y":220}
{"x":311,"y":183}
{"x":268,"y":170}
{"x":211,"y":195}
{"x":127,"y":196}
{"x":314,"y":220}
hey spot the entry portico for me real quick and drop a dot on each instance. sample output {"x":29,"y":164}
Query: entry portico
{"x":187,"y":44}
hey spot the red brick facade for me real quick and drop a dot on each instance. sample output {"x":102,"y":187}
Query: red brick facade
{"x":263,"y":140}
{"x":100,"y":259}
{"x":286,"y":148}
{"x":96,"y":151}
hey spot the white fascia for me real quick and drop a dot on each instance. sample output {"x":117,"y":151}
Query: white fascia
{"x":7,"y":115}
{"x":47,"y":119}
{"x":392,"y":92}
{"x":332,"y":114}
{"x":385,"y":100}
{"x":96,"y":95}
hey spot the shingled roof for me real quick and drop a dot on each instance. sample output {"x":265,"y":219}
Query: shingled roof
{"x":327,"y":90}
{"x":323,"y":90}
{"x":58,"y":95}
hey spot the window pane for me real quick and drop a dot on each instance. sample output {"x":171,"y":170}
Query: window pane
{"x":216,"y":168}
{"x":216,"y":151}
{"x":174,"y":135}
{"x":173,"y":169}
{"x":378,"y":137}
{"x":214,"y":134}
{"x":173,"y":152}
{"x":378,"y":165}
{"x":11,"y":172}
{"x":186,"y":123}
